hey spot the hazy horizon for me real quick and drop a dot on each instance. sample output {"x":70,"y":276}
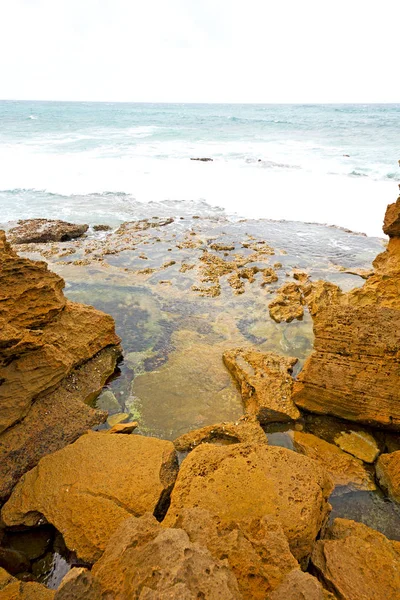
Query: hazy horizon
{"x":213,"y":52}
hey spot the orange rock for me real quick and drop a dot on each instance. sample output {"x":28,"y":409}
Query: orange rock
{"x":251,"y":481}
{"x":388,"y":473}
{"x":257,"y":550}
{"x":265,"y":383}
{"x":391,"y":224}
{"x":288,"y":304}
{"x":13,"y":589}
{"x":45,"y":230}
{"x":88,"y":488}
{"x":357,"y":563}
{"x":300,"y":586}
{"x":246,"y":431}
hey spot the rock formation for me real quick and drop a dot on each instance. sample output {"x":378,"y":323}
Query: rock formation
{"x":356,"y":562}
{"x":13,"y":589}
{"x":265,"y":383}
{"x":354,"y":370}
{"x":44,"y":338}
{"x":45,"y":230}
{"x":388,"y":474}
{"x":243,"y":481}
{"x":88,"y":488}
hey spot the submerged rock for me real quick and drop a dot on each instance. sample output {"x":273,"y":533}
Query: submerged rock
{"x":257,"y":550}
{"x":357,"y":563}
{"x":360,"y":444}
{"x":388,"y":474}
{"x":344,"y":469}
{"x":265,"y":383}
{"x":88,"y":488}
{"x":45,"y":230}
{"x":250,"y":481}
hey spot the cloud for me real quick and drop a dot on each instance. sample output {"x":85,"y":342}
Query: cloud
{"x":208,"y":51}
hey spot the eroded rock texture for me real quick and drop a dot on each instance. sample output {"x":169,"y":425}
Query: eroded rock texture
{"x":251,"y":481}
{"x":265,"y":382}
{"x":388,"y":473}
{"x":45,"y":230}
{"x":88,"y":488}
{"x":357,"y":563}
{"x":54,"y":354}
{"x":13,"y":589}
{"x":354,"y":370}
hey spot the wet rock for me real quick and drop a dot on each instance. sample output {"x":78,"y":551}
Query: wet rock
{"x":203,"y":159}
{"x":344,"y":469}
{"x":42,"y":336}
{"x":388,"y":474}
{"x":13,"y":589}
{"x":55,"y":420}
{"x":107,"y":401}
{"x":265,"y":382}
{"x":45,"y":230}
{"x":130,"y":227}
{"x":257,"y":550}
{"x":357,"y":563}
{"x":269,"y":276}
{"x":102,"y":228}
{"x":109,"y":476}
{"x":250,"y":481}
{"x":245,"y":431}
{"x":117,"y":418}
{"x":125,"y":428}
{"x":13,"y":561}
{"x":33,"y":544}
{"x":360,"y":444}
{"x":288,"y":304}
{"x":300,"y":586}
{"x":145,"y":560}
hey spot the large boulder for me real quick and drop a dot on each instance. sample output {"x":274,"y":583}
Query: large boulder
{"x":147,"y":561}
{"x":265,"y":382}
{"x":45,"y":230}
{"x":388,"y":474}
{"x":345,"y":470}
{"x":43,"y":337}
{"x":251,"y":481}
{"x":357,"y":563}
{"x":257,"y":550}
{"x":88,"y":488}
{"x":244,"y":431}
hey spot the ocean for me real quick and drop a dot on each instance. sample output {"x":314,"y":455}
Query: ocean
{"x":112,"y":162}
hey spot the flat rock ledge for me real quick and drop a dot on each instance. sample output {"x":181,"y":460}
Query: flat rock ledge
{"x":41,"y":231}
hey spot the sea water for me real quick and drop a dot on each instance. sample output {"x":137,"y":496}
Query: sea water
{"x":112,"y":162}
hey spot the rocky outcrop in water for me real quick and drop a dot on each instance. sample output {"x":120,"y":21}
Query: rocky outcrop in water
{"x":39,"y":231}
{"x":265,"y":382}
{"x":88,"y":488}
{"x":354,"y":369}
{"x":13,"y":589}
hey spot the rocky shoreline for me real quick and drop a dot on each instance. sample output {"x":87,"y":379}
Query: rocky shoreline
{"x":229,"y":509}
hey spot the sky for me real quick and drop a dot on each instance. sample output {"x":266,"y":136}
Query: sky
{"x":200,"y":50}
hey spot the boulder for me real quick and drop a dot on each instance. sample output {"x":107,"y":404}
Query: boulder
{"x":13,"y":589}
{"x":388,"y":474}
{"x":391,"y":224}
{"x":257,"y":550}
{"x":360,"y":444}
{"x":344,"y":469}
{"x":300,"y":586}
{"x":265,"y":382}
{"x":246,"y":431}
{"x":55,"y":420}
{"x":357,"y":563}
{"x":251,"y":481}
{"x":147,"y":561}
{"x":45,"y":230}
{"x":88,"y":488}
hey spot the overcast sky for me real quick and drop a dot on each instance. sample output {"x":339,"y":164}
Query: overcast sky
{"x":200,"y":50}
